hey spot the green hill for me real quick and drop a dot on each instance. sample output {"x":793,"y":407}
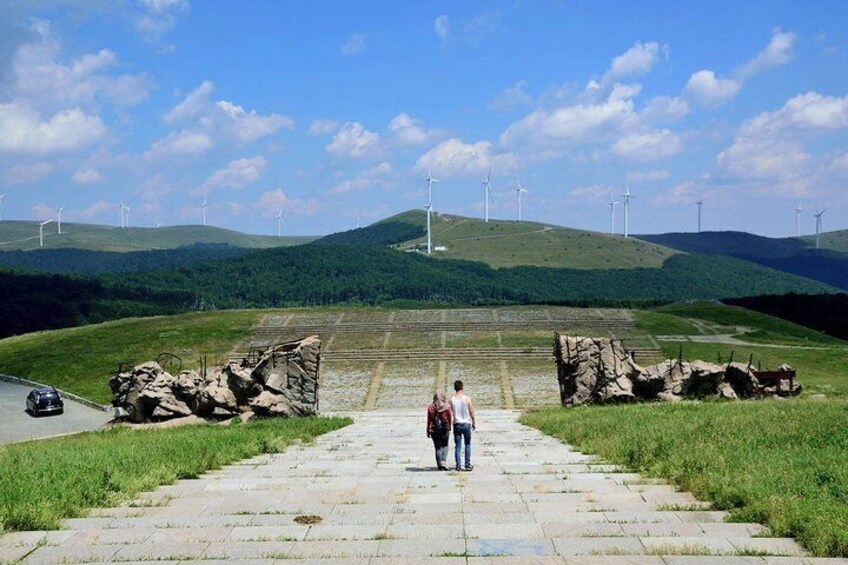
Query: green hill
{"x":833,"y":240}
{"x":21,"y":235}
{"x":791,"y":255}
{"x":504,"y":243}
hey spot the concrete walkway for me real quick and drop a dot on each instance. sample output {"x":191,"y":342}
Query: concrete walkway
{"x":529,"y":500}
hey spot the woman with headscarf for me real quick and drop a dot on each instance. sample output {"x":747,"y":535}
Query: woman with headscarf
{"x":439,"y":421}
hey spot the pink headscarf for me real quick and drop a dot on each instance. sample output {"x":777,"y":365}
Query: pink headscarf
{"x":439,"y":401}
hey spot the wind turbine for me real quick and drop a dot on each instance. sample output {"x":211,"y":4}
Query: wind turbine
{"x":127,"y":216}
{"x":487,"y":191}
{"x":121,"y":208}
{"x":798,"y":221}
{"x":518,"y":191}
{"x":280,"y":223}
{"x":59,"y":218}
{"x":429,"y":207}
{"x":818,"y":216}
{"x":700,"y":203}
{"x":612,"y":204}
{"x":2,"y":196}
{"x":204,"y":211}
{"x":627,"y":196}
{"x":358,"y":222}
{"x":41,"y":232}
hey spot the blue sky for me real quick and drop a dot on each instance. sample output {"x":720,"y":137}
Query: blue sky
{"x":332,"y":111}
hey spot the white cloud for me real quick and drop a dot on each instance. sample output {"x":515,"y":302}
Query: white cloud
{"x":571,"y":124}
{"x":354,"y":141}
{"x":647,"y":176}
{"x":755,"y":158}
{"x":44,"y":81}
{"x":366,"y":179}
{"x":23,"y":131}
{"x":511,"y":97}
{"x":406,"y":130}
{"x":225,"y":119}
{"x":354,"y":45}
{"x":236,"y":175}
{"x":708,"y":90}
{"x":808,"y":111}
{"x":778,"y":52}
{"x":455,"y":157}
{"x":592,"y":194}
{"x":87,"y":176}
{"x":98,"y":210}
{"x":665,"y":108}
{"x":185,"y":142}
{"x":193,"y":103}
{"x":42,"y":212}
{"x":636,"y":61}
{"x":441,"y":25}
{"x":270,"y":203}
{"x":321,"y":126}
{"x":24,"y":173}
{"x":250,"y":126}
{"x":158,"y":17}
{"x":657,"y":144}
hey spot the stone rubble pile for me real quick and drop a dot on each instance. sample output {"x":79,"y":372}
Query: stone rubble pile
{"x":601,"y":370}
{"x":283,"y":381}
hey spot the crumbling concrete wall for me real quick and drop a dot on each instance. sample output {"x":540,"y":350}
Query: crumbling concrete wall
{"x":282,"y":381}
{"x":601,"y":370}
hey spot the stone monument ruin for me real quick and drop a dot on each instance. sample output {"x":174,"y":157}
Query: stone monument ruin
{"x":601,"y":370}
{"x":281,"y":380}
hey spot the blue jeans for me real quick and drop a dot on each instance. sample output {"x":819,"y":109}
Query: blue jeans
{"x":462,"y":434}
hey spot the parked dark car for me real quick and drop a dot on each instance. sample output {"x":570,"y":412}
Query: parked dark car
{"x":44,"y":400}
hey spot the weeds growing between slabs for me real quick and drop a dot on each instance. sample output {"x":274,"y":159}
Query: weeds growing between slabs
{"x":780,"y":463}
{"x":46,"y":481}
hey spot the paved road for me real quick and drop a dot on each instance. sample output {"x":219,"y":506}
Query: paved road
{"x":17,"y":425}
{"x":530,"y":500}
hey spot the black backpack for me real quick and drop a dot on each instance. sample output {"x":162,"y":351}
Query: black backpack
{"x":439,"y":424}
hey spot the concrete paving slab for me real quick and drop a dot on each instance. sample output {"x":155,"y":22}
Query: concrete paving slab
{"x":378,"y":501}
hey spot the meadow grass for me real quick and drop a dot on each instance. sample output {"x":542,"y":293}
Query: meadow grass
{"x":780,"y":463}
{"x":46,"y":481}
{"x":725,"y":319}
{"x":501,"y":243}
{"x":80,"y":360}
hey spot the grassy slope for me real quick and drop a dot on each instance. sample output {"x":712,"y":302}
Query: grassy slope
{"x":745,"y":324}
{"x":834,"y":240}
{"x":501,"y":243}
{"x":80,"y":360}
{"x":778,"y":463}
{"x":819,"y":370}
{"x":24,"y":235}
{"x":111,"y":467}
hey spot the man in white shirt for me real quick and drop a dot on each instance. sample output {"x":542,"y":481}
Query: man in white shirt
{"x":463,"y":423}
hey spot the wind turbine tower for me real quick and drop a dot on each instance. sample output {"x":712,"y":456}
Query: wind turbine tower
{"x":204,"y":212}
{"x":121,"y":210}
{"x":2,"y":196}
{"x":700,"y":204}
{"x":430,"y":182}
{"x":627,"y":196}
{"x":818,"y":216}
{"x":41,"y":232}
{"x":127,"y":216}
{"x":279,"y":223}
{"x":518,"y":191}
{"x":612,"y":204}
{"x":487,"y":191}
{"x":59,"y":218}
{"x":798,"y":221}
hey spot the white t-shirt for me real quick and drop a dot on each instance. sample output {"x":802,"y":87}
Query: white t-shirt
{"x":459,"y":407}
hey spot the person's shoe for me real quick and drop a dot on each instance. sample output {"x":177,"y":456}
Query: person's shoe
{"x":458,"y":469}
{"x":469,"y":467}
{"x":443,"y":468}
